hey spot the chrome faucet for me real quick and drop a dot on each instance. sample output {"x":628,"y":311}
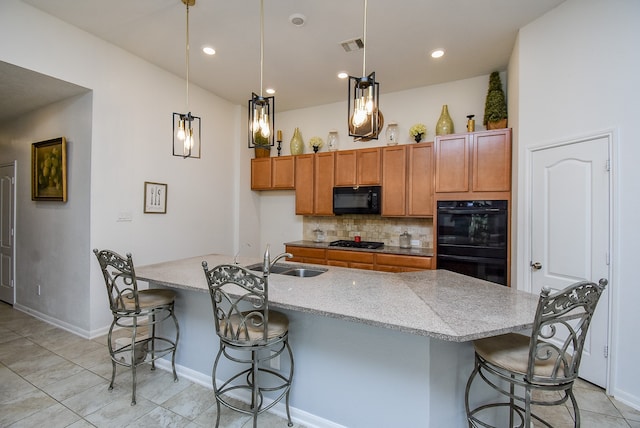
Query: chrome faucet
{"x":268,"y":264}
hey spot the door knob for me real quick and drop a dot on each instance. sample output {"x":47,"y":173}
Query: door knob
{"x":536,"y":265}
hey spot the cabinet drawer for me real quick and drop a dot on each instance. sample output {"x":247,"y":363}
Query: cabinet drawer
{"x":350,"y":256}
{"x":403,"y":261}
{"x":306,"y":253}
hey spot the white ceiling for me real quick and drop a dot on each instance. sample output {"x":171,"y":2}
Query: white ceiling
{"x":301,"y":63}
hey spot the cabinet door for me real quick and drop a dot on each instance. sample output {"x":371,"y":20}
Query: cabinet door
{"x":283,"y":172}
{"x":346,"y":172}
{"x":492,"y":161}
{"x":420,"y":180}
{"x":304,"y":184}
{"x":260,"y":173}
{"x":394,"y":179}
{"x":323,"y":183}
{"x":452,"y":163}
{"x":368,"y":164}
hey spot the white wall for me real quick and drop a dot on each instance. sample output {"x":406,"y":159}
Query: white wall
{"x":578,"y":75}
{"x":51,"y":235}
{"x":424,"y":105}
{"x":130,"y":141}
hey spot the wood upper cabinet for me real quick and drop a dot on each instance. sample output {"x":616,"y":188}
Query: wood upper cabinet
{"x":394,"y":181}
{"x":358,"y":167}
{"x":323,"y":183}
{"x":475,"y":162}
{"x":407,"y":180}
{"x":275,"y":173}
{"x":491,"y":160}
{"x":314,"y":184}
{"x":283,"y":172}
{"x":261,"y":174}
{"x":304,"y":184}
{"x":452,"y":163}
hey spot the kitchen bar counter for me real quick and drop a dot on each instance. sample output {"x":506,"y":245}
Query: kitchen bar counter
{"x":435,"y":303}
{"x":387,"y":249}
{"x":372,"y":349}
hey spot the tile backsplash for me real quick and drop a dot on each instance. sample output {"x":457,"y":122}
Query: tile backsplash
{"x":370,"y":228}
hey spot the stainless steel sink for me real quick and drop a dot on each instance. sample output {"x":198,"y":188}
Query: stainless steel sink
{"x":291,"y":270}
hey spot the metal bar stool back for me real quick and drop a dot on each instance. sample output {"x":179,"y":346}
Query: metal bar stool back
{"x":136,"y":313}
{"x":250,"y":336}
{"x":532,"y":370}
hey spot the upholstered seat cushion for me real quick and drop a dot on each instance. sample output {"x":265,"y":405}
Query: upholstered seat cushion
{"x":278,"y":325}
{"x":511,"y":352}
{"x":149,"y":299}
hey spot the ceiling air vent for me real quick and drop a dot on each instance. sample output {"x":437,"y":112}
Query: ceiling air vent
{"x":352,"y":45}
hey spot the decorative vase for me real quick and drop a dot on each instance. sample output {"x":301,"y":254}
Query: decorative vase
{"x":500,"y":124}
{"x":392,"y":134}
{"x":263,"y":151}
{"x":297,"y":145}
{"x":417,"y":137}
{"x":332,"y":140}
{"x":445,"y":124}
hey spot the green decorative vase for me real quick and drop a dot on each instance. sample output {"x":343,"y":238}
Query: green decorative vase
{"x":445,"y":124}
{"x":297,"y":145}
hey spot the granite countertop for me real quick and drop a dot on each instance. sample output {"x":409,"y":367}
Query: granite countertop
{"x":387,"y":249}
{"x":434,"y":303}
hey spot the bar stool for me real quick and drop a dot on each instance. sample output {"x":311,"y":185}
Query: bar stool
{"x":250,"y":336}
{"x":532,"y":366}
{"x":136,"y":310}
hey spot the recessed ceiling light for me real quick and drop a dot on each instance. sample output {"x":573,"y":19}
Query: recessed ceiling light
{"x":438,"y":53}
{"x":209,"y":50}
{"x":297,"y":19}
{"x":270,"y":91}
{"x":343,"y":75}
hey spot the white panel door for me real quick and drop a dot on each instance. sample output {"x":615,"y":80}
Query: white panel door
{"x":7,"y":199}
{"x":570,"y":232}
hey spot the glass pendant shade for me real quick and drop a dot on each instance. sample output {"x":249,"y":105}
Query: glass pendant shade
{"x":186,"y":135}
{"x":363,"y":109}
{"x":261,"y":120}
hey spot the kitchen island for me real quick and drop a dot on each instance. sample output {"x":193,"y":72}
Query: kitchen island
{"x":371,"y":349}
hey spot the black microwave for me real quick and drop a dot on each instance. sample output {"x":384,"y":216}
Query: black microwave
{"x":357,"y":200}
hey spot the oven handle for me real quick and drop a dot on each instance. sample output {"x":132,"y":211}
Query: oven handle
{"x":488,"y":260}
{"x":470,"y":211}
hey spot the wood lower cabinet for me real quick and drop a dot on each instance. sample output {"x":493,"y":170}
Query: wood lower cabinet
{"x":277,"y":173}
{"x":358,"y":167}
{"x":360,"y":259}
{"x":474,"y":162}
{"x":400,"y":263}
{"x":407,"y":180}
{"x":307,"y":255}
{"x":351,"y":259}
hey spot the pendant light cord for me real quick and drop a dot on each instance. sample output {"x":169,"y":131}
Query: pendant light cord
{"x":364,"y":41}
{"x":261,"y":42}
{"x":187,"y":57}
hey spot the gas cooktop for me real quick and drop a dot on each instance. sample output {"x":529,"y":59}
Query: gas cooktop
{"x":354,"y":244}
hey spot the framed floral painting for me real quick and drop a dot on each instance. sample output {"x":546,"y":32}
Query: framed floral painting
{"x":49,"y":170}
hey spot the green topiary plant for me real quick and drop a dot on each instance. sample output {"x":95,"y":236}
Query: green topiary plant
{"x":495,"y":107}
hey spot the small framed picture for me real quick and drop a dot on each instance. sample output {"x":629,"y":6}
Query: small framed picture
{"x":155,"y":198}
{"x":49,"y":170}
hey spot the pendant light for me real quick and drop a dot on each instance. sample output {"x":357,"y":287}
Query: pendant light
{"x":186,"y":127}
{"x":261,"y":108}
{"x":363,"y":101}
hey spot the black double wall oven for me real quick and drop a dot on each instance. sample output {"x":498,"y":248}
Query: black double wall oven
{"x":472,"y":238}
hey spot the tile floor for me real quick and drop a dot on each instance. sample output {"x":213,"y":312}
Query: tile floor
{"x":50,"y":377}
